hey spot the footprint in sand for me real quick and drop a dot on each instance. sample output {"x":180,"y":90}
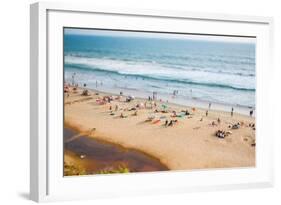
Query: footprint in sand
{"x":247,"y":139}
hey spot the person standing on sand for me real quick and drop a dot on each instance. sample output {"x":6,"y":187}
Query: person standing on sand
{"x":207,"y":113}
{"x":251,"y":113}
{"x":73,"y":78}
{"x":210,"y":104}
{"x":121,"y":115}
{"x":232,"y":109}
{"x":171,"y":123}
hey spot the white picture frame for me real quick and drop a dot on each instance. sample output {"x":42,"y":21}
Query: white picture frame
{"x":46,"y":179}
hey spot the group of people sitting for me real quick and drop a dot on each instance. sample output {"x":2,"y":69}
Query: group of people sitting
{"x":162,"y":111}
{"x":171,"y":123}
{"x":235,"y":126}
{"x":183,"y":113}
{"x":252,"y":125}
{"x":222,"y":133}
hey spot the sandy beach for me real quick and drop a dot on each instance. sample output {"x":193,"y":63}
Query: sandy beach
{"x":189,"y":143}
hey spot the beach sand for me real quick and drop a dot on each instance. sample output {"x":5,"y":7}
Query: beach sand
{"x":188,"y":144}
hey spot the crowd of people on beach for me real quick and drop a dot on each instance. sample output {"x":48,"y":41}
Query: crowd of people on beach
{"x":171,"y":117}
{"x":150,"y":104}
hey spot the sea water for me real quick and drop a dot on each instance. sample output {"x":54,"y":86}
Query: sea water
{"x":181,"y":69}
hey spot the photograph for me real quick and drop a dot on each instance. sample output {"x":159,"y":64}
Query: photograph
{"x":149,"y":101}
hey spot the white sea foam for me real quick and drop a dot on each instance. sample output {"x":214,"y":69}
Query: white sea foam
{"x":163,"y":72}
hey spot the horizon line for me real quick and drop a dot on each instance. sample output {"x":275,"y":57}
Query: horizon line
{"x":159,"y":35}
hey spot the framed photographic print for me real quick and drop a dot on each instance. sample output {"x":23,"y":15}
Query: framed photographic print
{"x":127,"y":102}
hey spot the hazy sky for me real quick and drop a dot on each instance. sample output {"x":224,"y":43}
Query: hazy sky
{"x":157,"y":35}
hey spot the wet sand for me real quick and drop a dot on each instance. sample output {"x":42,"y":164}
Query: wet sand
{"x":100,"y":155}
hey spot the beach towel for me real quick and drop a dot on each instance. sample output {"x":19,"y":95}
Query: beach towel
{"x":156,"y":121}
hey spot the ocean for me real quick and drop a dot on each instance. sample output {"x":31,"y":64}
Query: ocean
{"x":178,"y":70}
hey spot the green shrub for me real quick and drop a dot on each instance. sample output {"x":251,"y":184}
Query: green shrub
{"x":119,"y":169}
{"x":71,"y":170}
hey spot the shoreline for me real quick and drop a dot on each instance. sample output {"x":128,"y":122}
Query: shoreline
{"x":190,"y":144}
{"x":189,"y":103}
